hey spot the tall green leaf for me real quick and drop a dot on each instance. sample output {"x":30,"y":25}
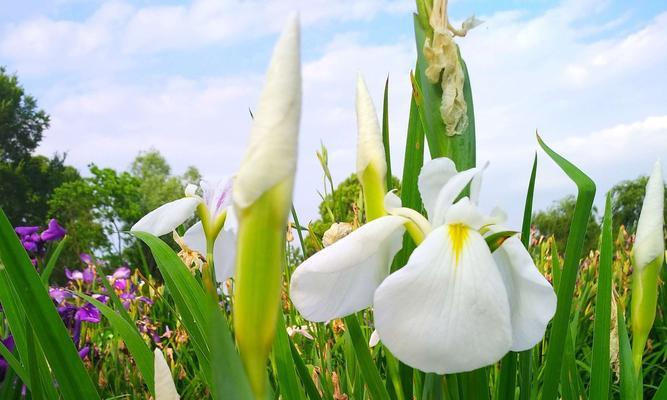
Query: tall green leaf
{"x":286,"y":375}
{"x":52,"y":336}
{"x":53,"y":259}
{"x":627,"y":369}
{"x":367,"y":366}
{"x":385,"y":133}
{"x":600,"y":372}
{"x":573,"y":250}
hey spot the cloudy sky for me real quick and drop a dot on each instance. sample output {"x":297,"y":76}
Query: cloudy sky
{"x":119,"y":77}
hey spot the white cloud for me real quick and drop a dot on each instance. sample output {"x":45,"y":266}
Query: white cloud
{"x":595,"y":91}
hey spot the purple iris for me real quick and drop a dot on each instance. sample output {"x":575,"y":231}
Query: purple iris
{"x":59,"y":294}
{"x":9,"y":344}
{"x":75,"y":275}
{"x":86,"y":258}
{"x":121,"y":273}
{"x":26,"y":230}
{"x":53,"y":231}
{"x":88,"y":313}
{"x":84,"y":352}
{"x":88,"y":275}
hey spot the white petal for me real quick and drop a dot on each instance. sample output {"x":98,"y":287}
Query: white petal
{"x":224,"y":250}
{"x":195,"y":239}
{"x":225,"y":254}
{"x":374,"y":339}
{"x":165,"y":389}
{"x":476,"y":185}
{"x":532,"y":299}
{"x":433,"y":176}
{"x":451,"y":191}
{"x":340,"y":279}
{"x":392,"y":201}
{"x":167,"y":217}
{"x":650,"y":240}
{"x":444,"y":316}
{"x":464,"y":212}
{"x":369,"y":145}
{"x":272,"y":152}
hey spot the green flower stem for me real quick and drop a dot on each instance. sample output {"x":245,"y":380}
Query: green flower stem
{"x":259,"y":262}
{"x":644,"y":302}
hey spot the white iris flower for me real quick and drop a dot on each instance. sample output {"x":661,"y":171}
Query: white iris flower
{"x":455,"y":306}
{"x":214,"y":209}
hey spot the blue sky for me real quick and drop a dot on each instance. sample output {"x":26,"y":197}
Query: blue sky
{"x":119,"y":77}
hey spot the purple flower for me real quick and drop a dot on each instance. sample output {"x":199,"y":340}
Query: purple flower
{"x":59,"y":294}
{"x":145,"y":300}
{"x":86,"y":258}
{"x":26,"y":230}
{"x":88,"y":275}
{"x":9,"y":344}
{"x":120,"y":284}
{"x":88,"y":313}
{"x":126,"y":298}
{"x":75,"y":275}
{"x":53,"y":232}
{"x":84,"y":352}
{"x":29,"y":245}
{"x":121,"y":273}
{"x":102,"y":298}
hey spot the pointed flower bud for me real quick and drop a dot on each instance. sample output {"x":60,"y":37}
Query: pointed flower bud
{"x":262,"y":198}
{"x":648,"y":256}
{"x":371,"y":162}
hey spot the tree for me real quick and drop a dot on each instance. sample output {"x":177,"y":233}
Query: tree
{"x":338,"y":206}
{"x":27,"y":186}
{"x":556,"y":221}
{"x":21,"y":123}
{"x":627,"y":198}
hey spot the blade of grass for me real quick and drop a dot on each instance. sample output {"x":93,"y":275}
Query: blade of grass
{"x":627,"y":370}
{"x":304,"y":374}
{"x":37,"y":387}
{"x":14,"y":364}
{"x":526,"y":357}
{"x":661,"y":392}
{"x":70,"y":373}
{"x":573,"y":250}
{"x":141,"y":353}
{"x":385,"y":133}
{"x":53,"y":259}
{"x":476,"y":386}
{"x":285,"y":373}
{"x":367,"y":366}
{"x":600,"y":372}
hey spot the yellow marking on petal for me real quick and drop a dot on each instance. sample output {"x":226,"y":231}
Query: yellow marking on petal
{"x":458,"y":233}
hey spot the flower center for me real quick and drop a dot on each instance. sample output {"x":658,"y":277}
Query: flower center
{"x":458,"y":233}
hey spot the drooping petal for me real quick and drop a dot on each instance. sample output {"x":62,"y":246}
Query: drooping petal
{"x":433,"y":176}
{"x":217,"y":197}
{"x":165,"y":389}
{"x":167,"y":217}
{"x":532,"y":299}
{"x":447,"y":310}
{"x":650,"y":240}
{"x":224,"y":249}
{"x":340,"y":279}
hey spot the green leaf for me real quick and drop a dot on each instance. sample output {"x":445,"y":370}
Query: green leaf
{"x":188,"y":294}
{"x":14,"y":364}
{"x":600,"y":372}
{"x":52,"y":336}
{"x":627,"y":370}
{"x":142,"y":354}
{"x":507,"y":380}
{"x":526,"y":357}
{"x":288,"y":382}
{"x":53,"y":259}
{"x":385,"y":133}
{"x":661,"y":393}
{"x":573,"y":250}
{"x":366,"y":365}
{"x":495,"y":240}
{"x":304,"y":374}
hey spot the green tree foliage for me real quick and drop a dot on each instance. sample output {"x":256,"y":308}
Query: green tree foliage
{"x":627,"y":198}
{"x":338,"y":206}
{"x":27,"y":186}
{"x":556,"y":221}
{"x":21,"y":123}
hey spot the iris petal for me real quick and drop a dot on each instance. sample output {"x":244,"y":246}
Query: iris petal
{"x":224,"y":249}
{"x":167,"y":217}
{"x":341,"y":278}
{"x":532,"y":299}
{"x":432,"y":178}
{"x":441,"y":316}
{"x":165,"y":389}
